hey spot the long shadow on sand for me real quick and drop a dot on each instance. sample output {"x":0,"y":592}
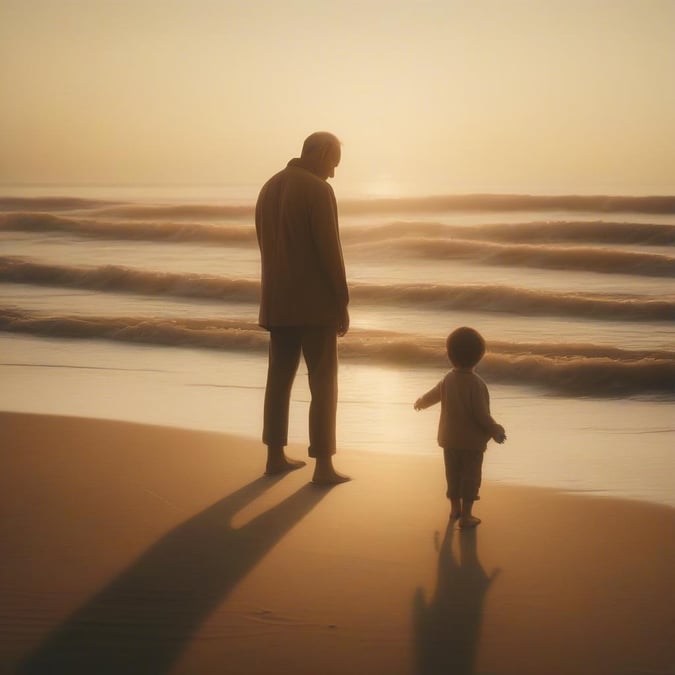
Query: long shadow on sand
{"x":447,"y":628}
{"x":141,"y":622}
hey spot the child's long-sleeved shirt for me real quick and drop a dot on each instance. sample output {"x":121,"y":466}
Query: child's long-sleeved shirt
{"x":465,"y":421}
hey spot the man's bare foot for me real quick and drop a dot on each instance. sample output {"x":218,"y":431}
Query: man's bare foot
{"x":278,"y":465}
{"x":455,"y":508}
{"x":325,"y":474}
{"x":466,"y":522}
{"x":334,"y":478}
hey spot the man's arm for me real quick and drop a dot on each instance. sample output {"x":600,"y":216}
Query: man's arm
{"x":343,"y":323}
{"x":326,"y":235}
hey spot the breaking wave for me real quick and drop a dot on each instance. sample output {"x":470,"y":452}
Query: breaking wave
{"x":658,"y":204}
{"x":49,"y":203}
{"x":118,"y":279}
{"x":602,"y":260}
{"x":201,"y":211}
{"x":498,"y":202}
{"x":483,"y":298}
{"x":534,"y":232}
{"x":221,"y":334}
{"x":600,"y":232}
{"x":125,"y":209}
{"x":587,"y":370}
{"x":499,"y":298}
{"x":141,"y":231}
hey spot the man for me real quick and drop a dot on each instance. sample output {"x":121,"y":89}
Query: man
{"x":304,"y":300}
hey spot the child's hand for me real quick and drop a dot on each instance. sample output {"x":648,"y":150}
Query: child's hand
{"x":499,"y":435}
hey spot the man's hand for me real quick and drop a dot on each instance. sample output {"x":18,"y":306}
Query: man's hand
{"x":343,"y":324}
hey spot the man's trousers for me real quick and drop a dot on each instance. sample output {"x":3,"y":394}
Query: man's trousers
{"x":318,"y":345}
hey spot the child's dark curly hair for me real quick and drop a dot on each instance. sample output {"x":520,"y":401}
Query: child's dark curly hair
{"x":465,"y":346}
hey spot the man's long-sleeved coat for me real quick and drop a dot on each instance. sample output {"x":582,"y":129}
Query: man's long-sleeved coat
{"x":303,"y":273}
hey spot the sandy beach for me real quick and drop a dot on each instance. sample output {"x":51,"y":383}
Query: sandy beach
{"x":139,"y":549}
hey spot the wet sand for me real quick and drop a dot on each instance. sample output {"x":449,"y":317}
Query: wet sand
{"x":136,"y":549}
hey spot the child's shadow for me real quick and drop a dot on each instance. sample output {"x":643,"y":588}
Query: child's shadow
{"x":143,"y":619}
{"x":447,"y":628}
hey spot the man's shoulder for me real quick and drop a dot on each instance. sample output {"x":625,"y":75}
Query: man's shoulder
{"x":296,"y":176}
{"x":308,"y":180}
{"x":297,"y":187}
{"x":276,"y":178}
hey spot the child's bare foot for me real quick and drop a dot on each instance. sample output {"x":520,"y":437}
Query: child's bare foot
{"x":466,"y":522}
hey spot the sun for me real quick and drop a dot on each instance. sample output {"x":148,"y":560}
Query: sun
{"x":383,"y":185}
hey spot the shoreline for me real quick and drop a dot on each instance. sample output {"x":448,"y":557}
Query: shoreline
{"x":136,"y":548}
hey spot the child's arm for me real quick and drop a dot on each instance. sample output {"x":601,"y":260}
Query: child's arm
{"x":498,"y":433}
{"x":432,"y":397}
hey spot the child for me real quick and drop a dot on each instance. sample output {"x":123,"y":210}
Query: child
{"x":465,"y":424}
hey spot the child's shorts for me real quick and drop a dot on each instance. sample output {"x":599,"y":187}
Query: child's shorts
{"x":463,"y":471}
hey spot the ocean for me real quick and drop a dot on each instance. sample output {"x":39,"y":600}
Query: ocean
{"x":141,"y":305}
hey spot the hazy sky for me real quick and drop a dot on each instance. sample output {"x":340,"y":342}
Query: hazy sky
{"x":432,"y":95}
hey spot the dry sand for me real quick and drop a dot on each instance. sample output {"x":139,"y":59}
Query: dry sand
{"x":137,"y":549}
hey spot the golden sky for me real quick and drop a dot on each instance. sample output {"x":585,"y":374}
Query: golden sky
{"x":427,"y":95}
